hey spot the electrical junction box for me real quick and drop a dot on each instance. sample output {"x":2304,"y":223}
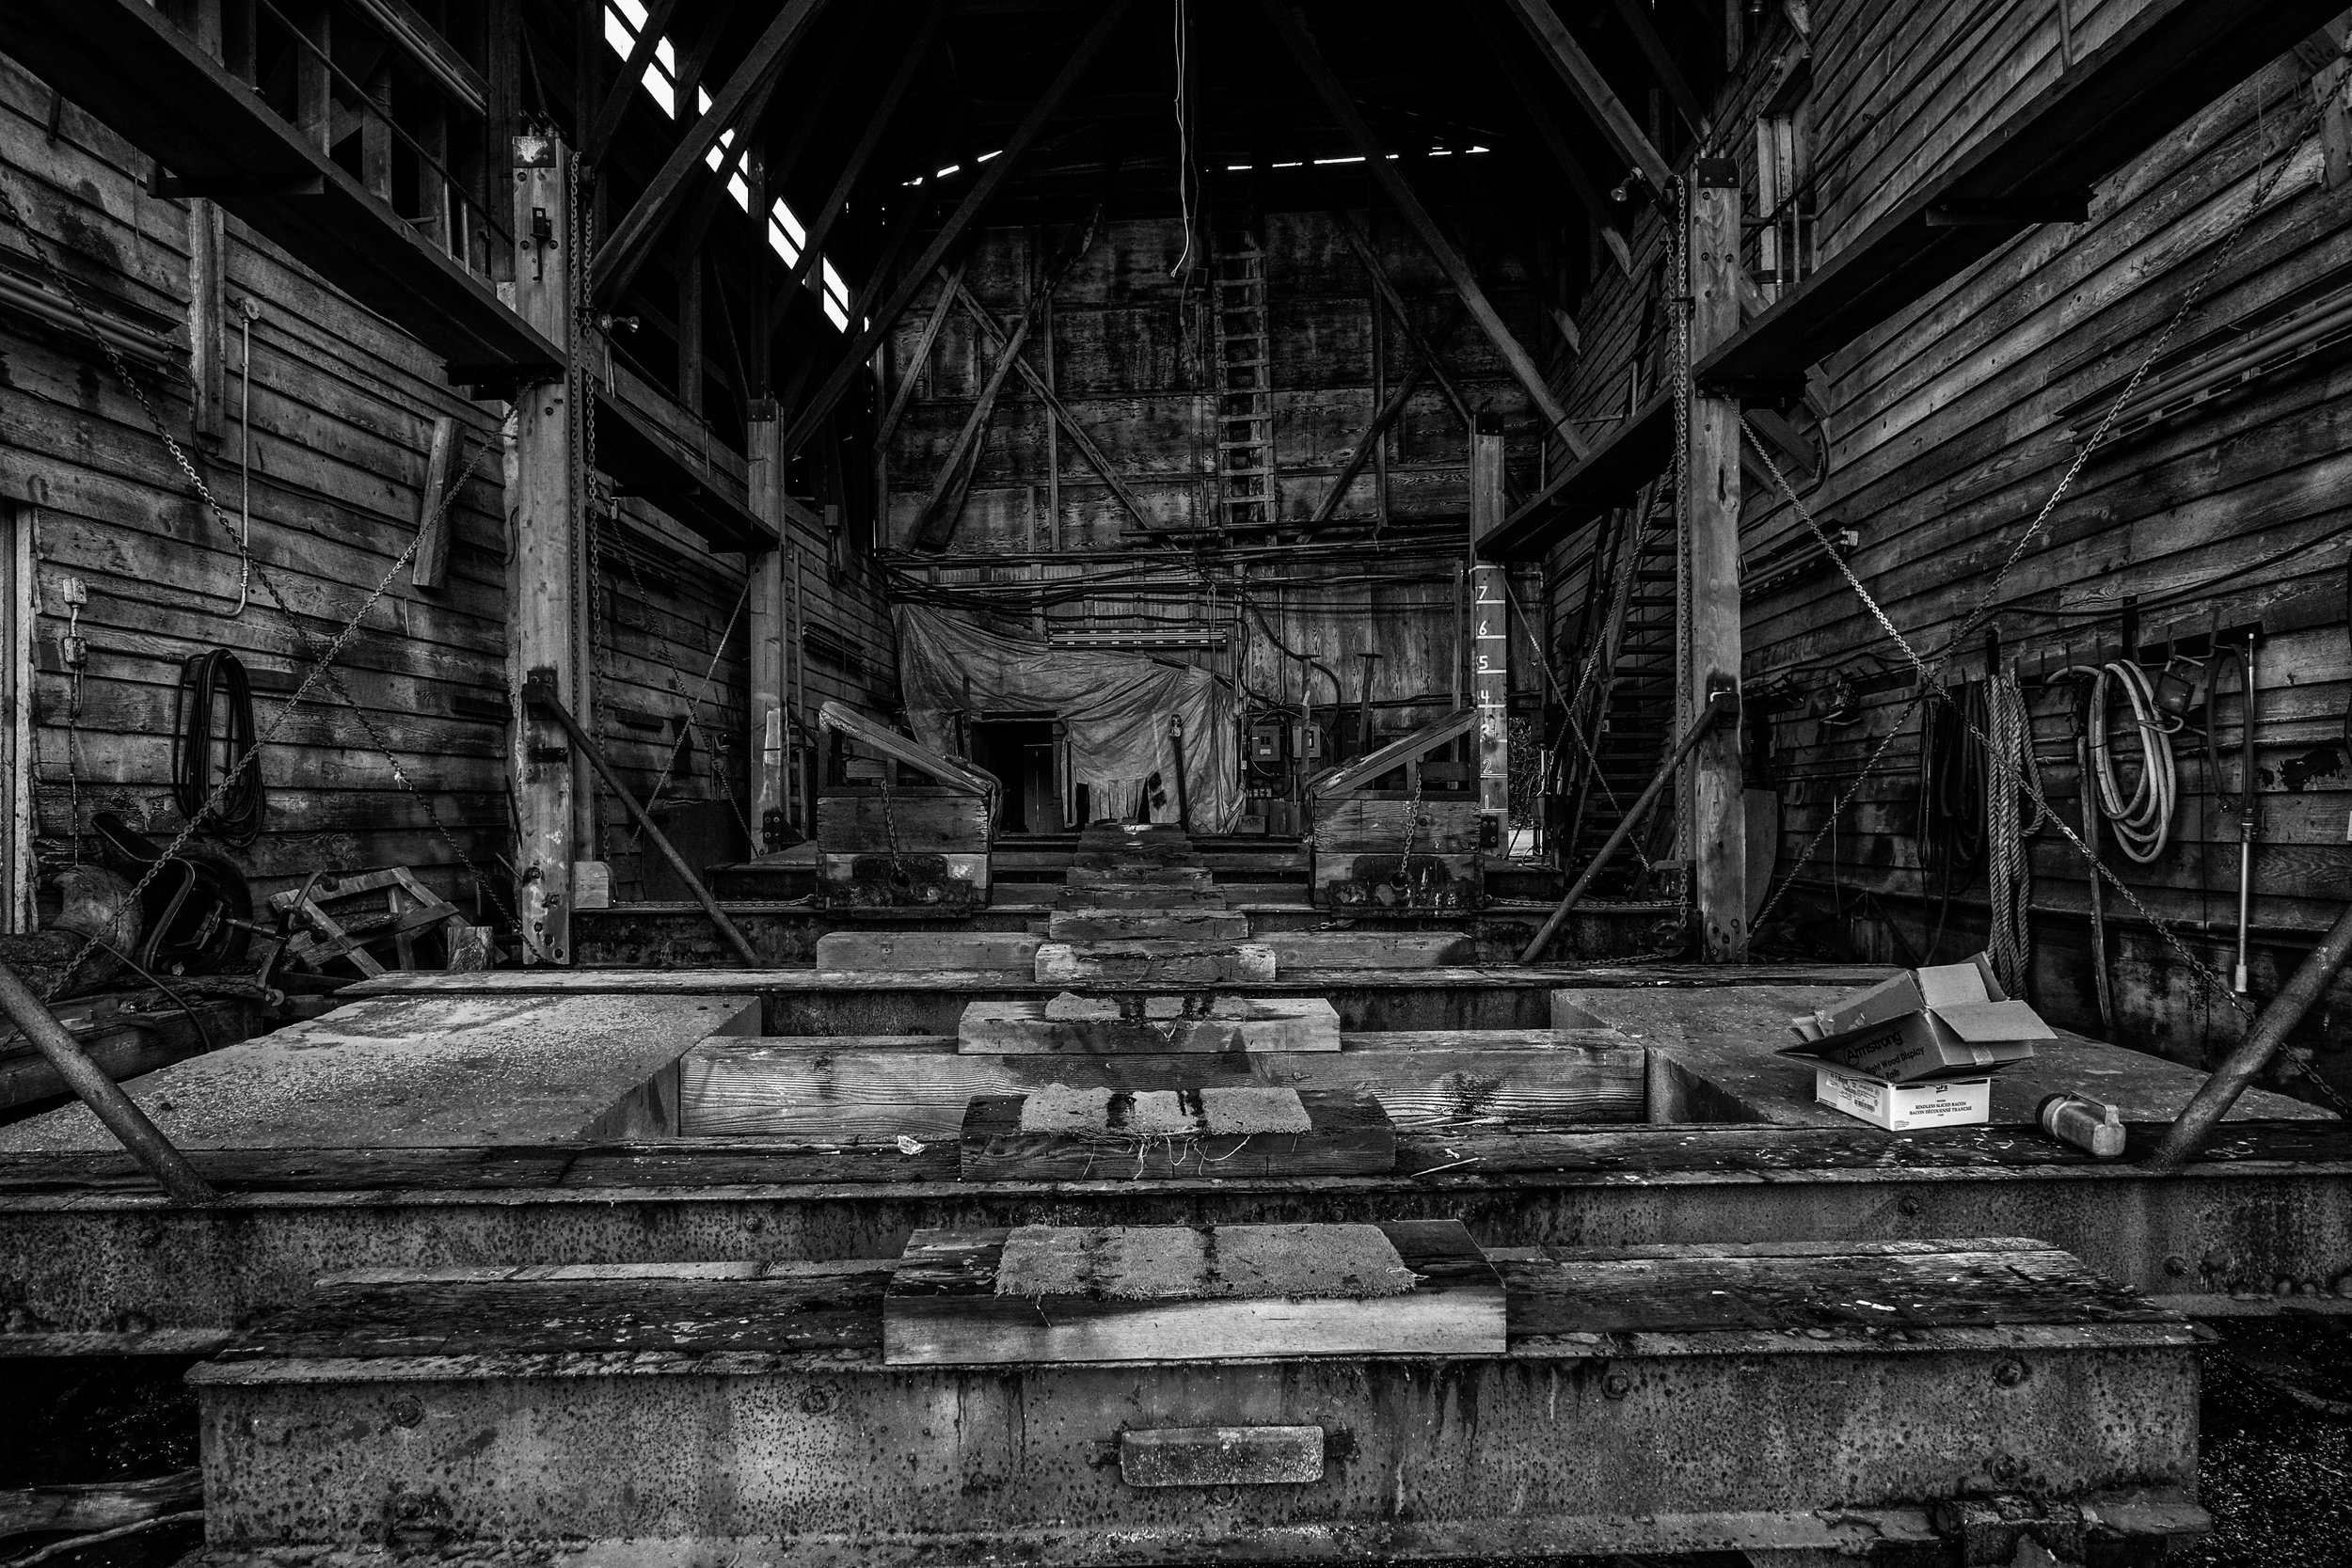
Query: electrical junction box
{"x":1307,"y":740}
{"x":1265,"y":740}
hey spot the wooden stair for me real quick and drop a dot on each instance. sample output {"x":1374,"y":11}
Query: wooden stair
{"x":1629,"y":711}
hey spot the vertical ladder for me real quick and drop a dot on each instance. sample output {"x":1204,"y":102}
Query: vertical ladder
{"x":1245,"y":403}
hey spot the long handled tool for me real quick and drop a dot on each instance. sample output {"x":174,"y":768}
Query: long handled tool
{"x":1721,"y":705}
{"x":2213,"y":1100}
{"x":539,"y":692}
{"x":102,"y":1094}
{"x":2249,"y":820}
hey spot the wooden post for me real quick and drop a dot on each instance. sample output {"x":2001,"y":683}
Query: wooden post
{"x":1490,"y":632}
{"x":766,"y":609}
{"x":545,"y":595}
{"x":1715,"y":816}
{"x":207,"y":294}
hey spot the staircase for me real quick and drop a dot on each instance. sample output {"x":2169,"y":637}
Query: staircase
{"x":1629,"y":711}
{"x":1245,"y":404}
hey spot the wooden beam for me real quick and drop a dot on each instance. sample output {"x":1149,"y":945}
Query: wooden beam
{"x":641,"y":56}
{"x":632,"y":238}
{"x":1521,"y":364}
{"x":767,"y":610}
{"x":545,"y":581}
{"x":950,"y":282}
{"x":1596,"y":201}
{"x":1592,"y":90}
{"x":1661,"y":64}
{"x":1422,"y":348}
{"x":1710,"y":480}
{"x":428,"y":565}
{"x":424,"y":46}
{"x":687,"y":232}
{"x":1063,"y":419}
{"x":853,"y":363}
{"x":936,"y":525}
{"x":690,"y":330}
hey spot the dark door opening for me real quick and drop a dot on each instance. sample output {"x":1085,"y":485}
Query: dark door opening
{"x":1021,"y":752}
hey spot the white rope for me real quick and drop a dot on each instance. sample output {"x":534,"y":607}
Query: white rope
{"x":2010,"y":872}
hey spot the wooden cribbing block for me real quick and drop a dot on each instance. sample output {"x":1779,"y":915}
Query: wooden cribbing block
{"x":1142,"y":897}
{"x":1142,"y":877}
{"x":1145,"y":926}
{"x":925,"y":950}
{"x":1060,"y":1133}
{"x":1099,"y":1026}
{"x":1374,"y":949}
{"x":1044,"y":1294}
{"x":1147,"y":963}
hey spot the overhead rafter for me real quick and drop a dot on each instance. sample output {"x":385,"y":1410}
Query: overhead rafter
{"x":1662,"y":64}
{"x":632,"y":239}
{"x":607,"y":121}
{"x":821,"y":223}
{"x":992,"y":176}
{"x":1376,"y":161}
{"x":1592,"y":90}
{"x":1548,"y":131}
{"x":1422,"y":348}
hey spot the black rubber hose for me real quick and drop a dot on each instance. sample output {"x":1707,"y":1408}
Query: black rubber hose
{"x":214,"y":732}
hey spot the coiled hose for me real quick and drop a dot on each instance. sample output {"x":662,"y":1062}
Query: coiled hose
{"x":2142,"y":818}
{"x":215,"y":696}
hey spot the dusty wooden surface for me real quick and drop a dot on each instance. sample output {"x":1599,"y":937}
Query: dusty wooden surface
{"x":1348,"y":1134}
{"x":943,"y":1308}
{"x":1083,"y":1026}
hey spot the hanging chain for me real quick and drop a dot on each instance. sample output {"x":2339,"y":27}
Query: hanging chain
{"x":1680,"y":304}
{"x":1413,"y":829}
{"x":323,"y":665}
{"x":898,"y":876}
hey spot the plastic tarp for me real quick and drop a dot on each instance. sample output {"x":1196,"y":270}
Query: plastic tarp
{"x":1116,"y":706}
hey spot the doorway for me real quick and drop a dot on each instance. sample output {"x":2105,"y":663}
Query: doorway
{"x":1024,"y":752}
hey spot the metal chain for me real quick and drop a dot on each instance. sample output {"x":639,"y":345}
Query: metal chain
{"x":899,"y":876}
{"x":1413,"y":829}
{"x":322,"y":668}
{"x":1679,"y":303}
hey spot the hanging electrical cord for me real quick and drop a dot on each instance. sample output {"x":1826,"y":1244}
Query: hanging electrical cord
{"x":1186,"y":178}
{"x":215,"y":757}
{"x":2144,"y":818}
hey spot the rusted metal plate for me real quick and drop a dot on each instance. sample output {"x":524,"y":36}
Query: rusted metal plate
{"x":1221,"y":1456}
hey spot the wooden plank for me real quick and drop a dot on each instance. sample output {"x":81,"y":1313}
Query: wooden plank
{"x":927,"y":950}
{"x":1396,"y":753}
{"x":1203,"y":963}
{"x":941,"y":1308}
{"x":871,"y":821}
{"x":429,"y":566}
{"x":1635,"y":451}
{"x":624,"y":86}
{"x":1598,"y":210}
{"x":1174,"y":924}
{"x":1123,"y":1136}
{"x":1163,"y":1027}
{"x":97,"y":1506}
{"x":632,"y":239}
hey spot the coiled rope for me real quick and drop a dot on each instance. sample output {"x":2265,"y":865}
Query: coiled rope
{"x":215,"y":766}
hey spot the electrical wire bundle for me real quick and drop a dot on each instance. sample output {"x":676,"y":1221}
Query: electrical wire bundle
{"x":2142,"y":817}
{"x":213,"y":727}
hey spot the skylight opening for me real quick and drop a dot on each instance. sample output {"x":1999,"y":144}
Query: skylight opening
{"x":623,"y":21}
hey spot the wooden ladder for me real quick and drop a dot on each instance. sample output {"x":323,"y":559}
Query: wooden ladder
{"x":1245,"y":404}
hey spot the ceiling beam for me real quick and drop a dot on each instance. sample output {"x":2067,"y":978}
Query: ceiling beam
{"x":1592,"y":90}
{"x":607,"y":121}
{"x":852,"y":361}
{"x":1661,"y":63}
{"x":820,"y":225}
{"x":632,"y":239}
{"x":1457,"y":271}
{"x":1548,"y":131}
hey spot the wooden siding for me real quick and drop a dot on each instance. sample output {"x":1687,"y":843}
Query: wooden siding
{"x":1949,"y":430}
{"x":343,"y":409}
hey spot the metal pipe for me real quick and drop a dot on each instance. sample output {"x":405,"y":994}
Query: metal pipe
{"x":102,"y":1094}
{"x":2213,"y":1097}
{"x":1176,"y":743}
{"x":2248,"y":821}
{"x":540,"y":692}
{"x":1721,"y":705}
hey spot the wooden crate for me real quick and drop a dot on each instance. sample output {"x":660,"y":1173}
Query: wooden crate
{"x":1360,"y":840}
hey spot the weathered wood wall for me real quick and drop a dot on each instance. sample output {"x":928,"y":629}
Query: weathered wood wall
{"x":1950,"y":428}
{"x":1128,"y":347}
{"x":342,"y":411}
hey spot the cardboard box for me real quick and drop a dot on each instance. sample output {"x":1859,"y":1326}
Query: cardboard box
{"x":1947,"y":1020}
{"x":1904,"y":1107}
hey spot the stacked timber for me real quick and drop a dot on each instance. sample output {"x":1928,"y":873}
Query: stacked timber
{"x":899,"y":828}
{"x":1396,"y":832}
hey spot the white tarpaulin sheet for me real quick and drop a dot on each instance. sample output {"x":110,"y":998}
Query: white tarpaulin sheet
{"x":1116,"y":706}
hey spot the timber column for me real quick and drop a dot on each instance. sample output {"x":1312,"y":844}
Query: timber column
{"x":546,"y":595}
{"x":770,"y":722}
{"x":1716,"y":818}
{"x":1490,"y":638}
